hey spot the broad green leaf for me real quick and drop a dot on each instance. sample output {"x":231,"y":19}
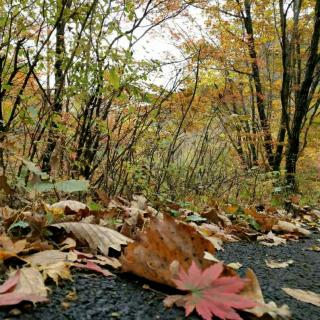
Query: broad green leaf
{"x":72,"y":185}
{"x":195,"y":218}
{"x":42,"y":186}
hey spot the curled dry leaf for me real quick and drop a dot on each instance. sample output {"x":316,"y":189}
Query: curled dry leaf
{"x":102,"y":260}
{"x":271,"y":239}
{"x":162,"y":242}
{"x":74,"y":206}
{"x":252,"y":290}
{"x":97,"y":237}
{"x":209,"y":229}
{"x":235,"y":265}
{"x":290,"y":227}
{"x":89,"y":265}
{"x":304,"y":295}
{"x":209,"y":256}
{"x":68,"y":243}
{"x":278,"y":265}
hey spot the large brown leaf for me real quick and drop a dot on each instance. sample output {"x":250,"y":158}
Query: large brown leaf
{"x":165,"y":243}
{"x":97,"y":237}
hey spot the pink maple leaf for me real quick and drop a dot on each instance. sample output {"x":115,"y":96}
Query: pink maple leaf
{"x":210,"y":294}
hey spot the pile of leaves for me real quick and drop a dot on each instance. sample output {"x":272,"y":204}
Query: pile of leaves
{"x":170,"y":245}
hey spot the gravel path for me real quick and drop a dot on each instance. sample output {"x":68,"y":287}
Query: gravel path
{"x":123,"y":297}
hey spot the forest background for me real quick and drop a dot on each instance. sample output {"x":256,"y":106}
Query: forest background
{"x":229,"y":113}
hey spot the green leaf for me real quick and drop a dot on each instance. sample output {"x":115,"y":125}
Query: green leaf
{"x":42,"y":186}
{"x":253,"y":223}
{"x":195,"y":218}
{"x":19,"y":224}
{"x":175,"y":213}
{"x":72,"y":185}
{"x":114,"y":78}
{"x":94,"y":206}
{"x":32,"y":167}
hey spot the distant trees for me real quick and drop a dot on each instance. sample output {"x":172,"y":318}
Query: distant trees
{"x":270,"y":50}
{"x":76,"y":99}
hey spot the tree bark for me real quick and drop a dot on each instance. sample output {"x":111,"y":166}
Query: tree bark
{"x":302,"y":105}
{"x":59,"y":84}
{"x":260,"y":99}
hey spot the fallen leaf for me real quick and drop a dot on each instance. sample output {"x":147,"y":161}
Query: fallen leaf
{"x":12,"y":298}
{"x":210,"y":294}
{"x":9,"y":249}
{"x":94,"y":267}
{"x":209,"y":256}
{"x":56,"y":271}
{"x":266,"y":221}
{"x":103,"y":196}
{"x":74,"y":206}
{"x":209,"y":230}
{"x":10,"y":283}
{"x":97,"y":237}
{"x":68,"y":243}
{"x":252,"y":290}
{"x":314,"y":248}
{"x":102,"y":260}
{"x":234,"y":265}
{"x":31,"y":282}
{"x":139,"y":202}
{"x":290,"y":227}
{"x":278,"y":265}
{"x":216,"y":242}
{"x":25,"y":284}
{"x":47,"y":257}
{"x":271,"y":239}
{"x":304,"y":296}
{"x":217,"y":217}
{"x":52,"y":263}
{"x":162,"y":242}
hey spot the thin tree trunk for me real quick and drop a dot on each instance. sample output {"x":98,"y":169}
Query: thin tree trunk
{"x":260,"y":99}
{"x":302,"y":105}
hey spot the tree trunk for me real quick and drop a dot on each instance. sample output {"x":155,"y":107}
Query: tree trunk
{"x":302,"y":104}
{"x":257,"y":81}
{"x":59,"y":84}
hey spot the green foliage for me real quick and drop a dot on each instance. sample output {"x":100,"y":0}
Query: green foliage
{"x":72,"y":186}
{"x":114,"y":78}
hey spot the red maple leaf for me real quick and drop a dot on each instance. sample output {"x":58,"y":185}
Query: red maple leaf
{"x":210,"y":294}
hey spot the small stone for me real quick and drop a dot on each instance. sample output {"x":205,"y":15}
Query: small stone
{"x":15,"y":312}
{"x":115,"y":315}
